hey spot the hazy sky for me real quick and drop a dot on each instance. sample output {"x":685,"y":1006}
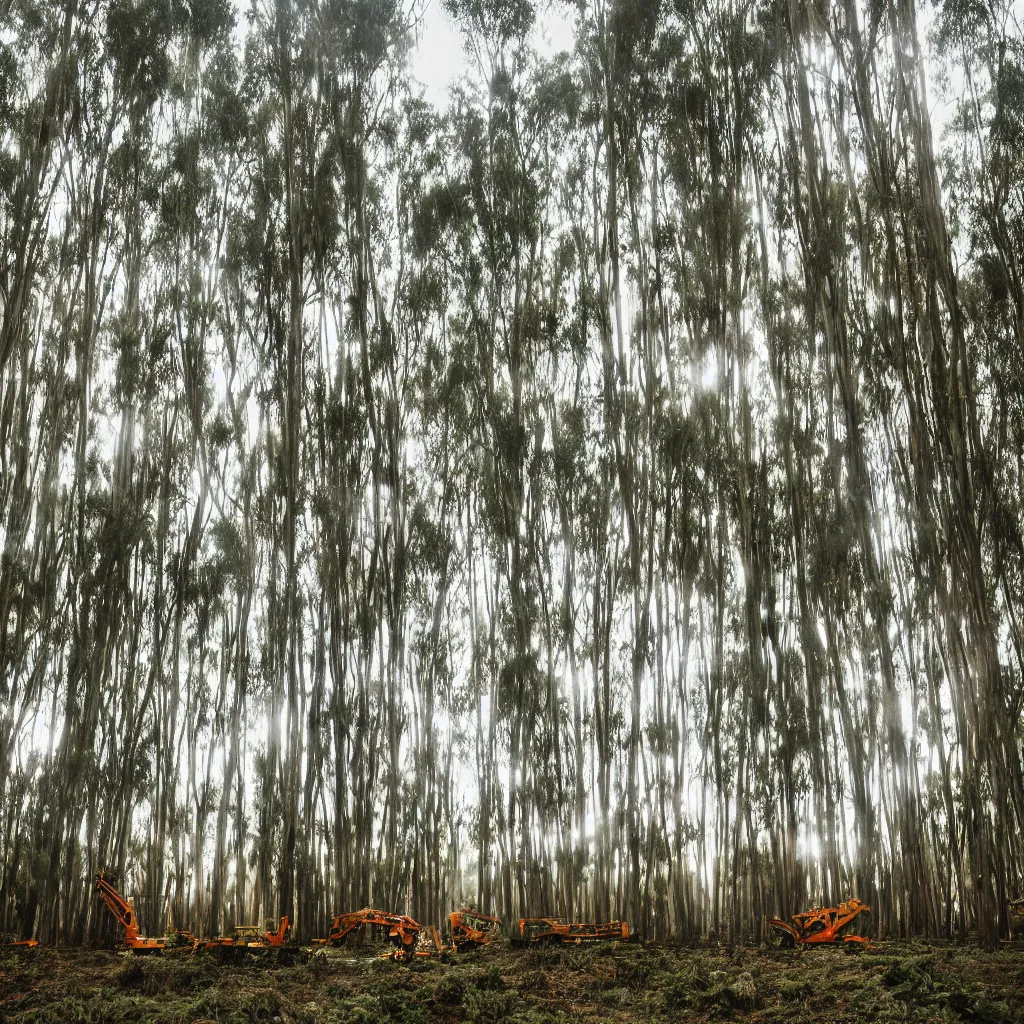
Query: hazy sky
{"x":440,"y":60}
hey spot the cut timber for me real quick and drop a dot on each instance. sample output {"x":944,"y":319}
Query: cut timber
{"x":551,"y":929}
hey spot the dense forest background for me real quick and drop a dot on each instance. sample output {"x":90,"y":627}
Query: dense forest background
{"x":598,"y":496}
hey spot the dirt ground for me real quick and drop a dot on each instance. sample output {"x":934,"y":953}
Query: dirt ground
{"x":620,"y":983}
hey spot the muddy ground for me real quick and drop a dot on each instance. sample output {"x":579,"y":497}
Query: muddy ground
{"x":619,"y":983}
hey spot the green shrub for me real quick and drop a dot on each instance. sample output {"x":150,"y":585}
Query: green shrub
{"x":534,"y":981}
{"x":399,"y":1006}
{"x":635,"y":972}
{"x":615,"y":997}
{"x":428,"y":964}
{"x":138,"y":975}
{"x":795,"y":990}
{"x":362,"y":1009}
{"x":910,"y":975}
{"x":449,"y":991}
{"x":532,"y":1015}
{"x":150,"y":976}
{"x":309,"y":1013}
{"x":488,"y":1005}
{"x":223,"y":1007}
{"x":103,"y":1007}
{"x":263,"y":1004}
{"x":677,"y":992}
{"x":743,"y":992}
{"x":980,"y":1009}
{"x":488,"y":980}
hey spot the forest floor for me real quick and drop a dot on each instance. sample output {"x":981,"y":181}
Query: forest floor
{"x":620,"y":983}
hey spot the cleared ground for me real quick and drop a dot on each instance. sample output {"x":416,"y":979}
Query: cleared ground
{"x":622,"y":983}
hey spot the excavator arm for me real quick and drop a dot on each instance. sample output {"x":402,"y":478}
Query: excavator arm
{"x":119,"y":907}
{"x":822,"y":925}
{"x":277,"y":938}
{"x":123,"y":910}
{"x":848,"y":911}
{"x":402,"y":930}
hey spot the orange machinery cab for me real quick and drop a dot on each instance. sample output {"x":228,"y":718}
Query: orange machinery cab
{"x":470,"y":929}
{"x":124,"y":910}
{"x":250,"y":936}
{"x":822,"y":925}
{"x":551,"y":929}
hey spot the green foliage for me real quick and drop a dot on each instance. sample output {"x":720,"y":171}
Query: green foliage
{"x":450,"y":990}
{"x":898,"y":983}
{"x":920,"y":982}
{"x":138,"y":33}
{"x":795,"y":989}
{"x":500,"y":20}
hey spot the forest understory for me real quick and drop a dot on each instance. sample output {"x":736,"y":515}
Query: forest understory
{"x":895,"y":981}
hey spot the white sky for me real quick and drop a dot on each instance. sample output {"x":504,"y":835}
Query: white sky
{"x":440,"y":59}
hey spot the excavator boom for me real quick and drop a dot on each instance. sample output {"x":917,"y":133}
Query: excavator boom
{"x":401,"y":929}
{"x":124,"y":911}
{"x":276,"y":939}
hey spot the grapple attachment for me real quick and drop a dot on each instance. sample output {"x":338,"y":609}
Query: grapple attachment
{"x":822,"y":925}
{"x":471,"y":929}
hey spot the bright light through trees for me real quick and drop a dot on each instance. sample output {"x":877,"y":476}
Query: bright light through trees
{"x":592,"y":487}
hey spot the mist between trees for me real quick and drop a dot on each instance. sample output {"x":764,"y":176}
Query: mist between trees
{"x":600,"y":496}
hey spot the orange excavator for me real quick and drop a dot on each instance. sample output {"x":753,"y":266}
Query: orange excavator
{"x":124,"y":911}
{"x":551,"y":929}
{"x":471,"y":930}
{"x":248,"y":939}
{"x":402,"y":930}
{"x":822,"y":925}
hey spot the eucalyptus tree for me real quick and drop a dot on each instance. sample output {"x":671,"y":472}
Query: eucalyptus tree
{"x":37,"y":116}
{"x":982,"y":47}
{"x":502,"y":131}
{"x":603,"y":484}
{"x":943,"y":471}
{"x":826,"y":569}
